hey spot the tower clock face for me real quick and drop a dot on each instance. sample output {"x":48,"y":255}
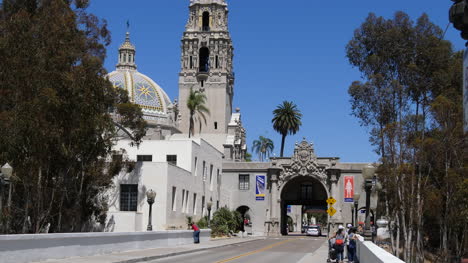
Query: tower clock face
{"x":145,"y":92}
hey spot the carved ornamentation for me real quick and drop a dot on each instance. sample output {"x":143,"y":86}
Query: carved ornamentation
{"x":303,"y":163}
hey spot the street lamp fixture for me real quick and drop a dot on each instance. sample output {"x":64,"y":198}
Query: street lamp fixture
{"x":368,"y":173}
{"x":150,"y":196}
{"x":209,"y":204}
{"x":356,"y":204}
{"x":5,"y":177}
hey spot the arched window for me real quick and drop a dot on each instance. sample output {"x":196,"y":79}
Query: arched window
{"x":217,"y":62}
{"x":125,"y":58}
{"x":204,"y":60}
{"x":206,"y":21}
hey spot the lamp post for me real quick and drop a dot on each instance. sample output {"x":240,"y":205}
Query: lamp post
{"x":356,"y":204}
{"x":209,"y":204}
{"x":5,"y":176}
{"x":150,"y":196}
{"x":370,"y":179}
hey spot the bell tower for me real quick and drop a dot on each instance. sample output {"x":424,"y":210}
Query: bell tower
{"x":206,"y":65}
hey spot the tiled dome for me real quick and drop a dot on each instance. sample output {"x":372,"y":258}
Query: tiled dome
{"x":142,"y":90}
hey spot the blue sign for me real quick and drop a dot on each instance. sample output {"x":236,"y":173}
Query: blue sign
{"x":260,"y":188}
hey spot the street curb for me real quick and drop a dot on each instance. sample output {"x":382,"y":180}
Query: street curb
{"x":149,"y":258}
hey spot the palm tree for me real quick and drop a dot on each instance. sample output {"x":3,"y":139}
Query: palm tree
{"x":263,"y":147}
{"x":196,"y":105}
{"x":286,"y":120}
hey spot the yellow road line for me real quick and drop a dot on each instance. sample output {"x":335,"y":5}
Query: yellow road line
{"x":256,"y":251}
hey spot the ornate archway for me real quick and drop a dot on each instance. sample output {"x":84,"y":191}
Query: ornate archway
{"x":301,"y":181}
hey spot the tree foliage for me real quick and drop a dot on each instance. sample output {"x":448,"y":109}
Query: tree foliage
{"x":57,"y":121}
{"x":263,"y":147}
{"x":411,"y":102}
{"x":197,"y":109}
{"x":286,"y":120}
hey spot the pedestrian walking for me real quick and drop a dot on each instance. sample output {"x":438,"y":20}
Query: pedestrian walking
{"x":196,"y":233}
{"x":349,"y":227}
{"x":352,"y":237}
{"x":340,"y":241}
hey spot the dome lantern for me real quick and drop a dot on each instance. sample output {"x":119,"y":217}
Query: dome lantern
{"x":127,"y":54}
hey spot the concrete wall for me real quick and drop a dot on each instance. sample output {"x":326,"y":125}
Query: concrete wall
{"x":236,"y":198}
{"x":40,"y":247}
{"x":368,"y":252}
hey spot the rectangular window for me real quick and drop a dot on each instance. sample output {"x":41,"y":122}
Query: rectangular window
{"x":216,"y":125}
{"x":196,"y":162}
{"x":211,"y":177}
{"x":128,"y":197}
{"x":191,"y":62}
{"x":183,"y":201}
{"x":144,"y":158}
{"x":203,"y":205}
{"x":244,"y":183}
{"x":174,"y":198}
{"x":117,"y":157}
{"x":217,"y":205}
{"x":217,"y":62}
{"x":172,"y":159}
{"x":204,"y":171}
{"x":306,"y":192}
{"x":194,"y":204}
{"x":186,"y":208}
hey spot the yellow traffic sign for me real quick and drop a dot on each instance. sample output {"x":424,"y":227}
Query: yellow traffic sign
{"x":331,"y":211}
{"x":331,"y":200}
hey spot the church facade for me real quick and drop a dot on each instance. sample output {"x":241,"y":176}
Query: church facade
{"x":193,"y":176}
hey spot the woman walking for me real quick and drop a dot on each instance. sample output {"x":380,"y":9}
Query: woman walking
{"x":339,"y":244}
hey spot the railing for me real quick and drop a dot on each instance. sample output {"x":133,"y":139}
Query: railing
{"x":40,"y":247}
{"x":368,"y":252}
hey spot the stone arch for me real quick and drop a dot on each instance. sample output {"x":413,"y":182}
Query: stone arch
{"x":301,"y":190}
{"x":206,"y":21}
{"x":246,"y":213}
{"x":204,"y":60}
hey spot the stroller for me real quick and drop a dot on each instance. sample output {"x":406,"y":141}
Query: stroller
{"x":331,"y":251}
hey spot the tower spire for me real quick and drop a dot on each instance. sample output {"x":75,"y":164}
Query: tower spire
{"x":127,"y":52}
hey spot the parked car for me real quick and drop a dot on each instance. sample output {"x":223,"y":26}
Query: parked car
{"x":314,"y":231}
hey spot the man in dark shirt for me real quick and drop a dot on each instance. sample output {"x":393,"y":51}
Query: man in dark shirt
{"x":196,"y":233}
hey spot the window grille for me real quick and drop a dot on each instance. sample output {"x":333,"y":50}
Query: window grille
{"x":128,"y":197}
{"x":244,"y":183}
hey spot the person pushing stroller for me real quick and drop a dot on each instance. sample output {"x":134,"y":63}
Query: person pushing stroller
{"x":337,"y":244}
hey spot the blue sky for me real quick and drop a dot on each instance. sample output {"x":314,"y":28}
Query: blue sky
{"x":284,"y":50}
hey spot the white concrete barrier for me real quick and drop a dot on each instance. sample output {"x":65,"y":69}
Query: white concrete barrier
{"x":368,"y":252}
{"x":40,"y":247}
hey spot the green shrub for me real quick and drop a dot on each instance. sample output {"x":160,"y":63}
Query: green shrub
{"x":203,"y":222}
{"x":225,"y":222}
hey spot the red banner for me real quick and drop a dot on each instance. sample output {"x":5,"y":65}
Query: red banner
{"x":349,"y":188}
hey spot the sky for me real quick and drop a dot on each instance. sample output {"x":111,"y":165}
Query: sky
{"x":283,"y":50}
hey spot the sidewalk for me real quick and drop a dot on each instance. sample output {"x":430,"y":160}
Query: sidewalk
{"x":319,"y":255}
{"x":155,"y":253}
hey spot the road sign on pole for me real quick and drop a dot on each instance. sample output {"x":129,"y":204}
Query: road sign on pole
{"x":331,"y":211}
{"x":331,"y":200}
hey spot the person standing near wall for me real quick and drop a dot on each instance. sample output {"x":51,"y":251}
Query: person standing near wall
{"x":196,"y":233}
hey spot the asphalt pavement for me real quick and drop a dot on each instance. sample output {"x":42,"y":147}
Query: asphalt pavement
{"x":282,"y":249}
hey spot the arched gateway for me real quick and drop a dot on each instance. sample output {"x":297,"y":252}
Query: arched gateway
{"x":299,"y":180}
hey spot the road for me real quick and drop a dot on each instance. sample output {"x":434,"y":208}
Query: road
{"x":282,"y":249}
